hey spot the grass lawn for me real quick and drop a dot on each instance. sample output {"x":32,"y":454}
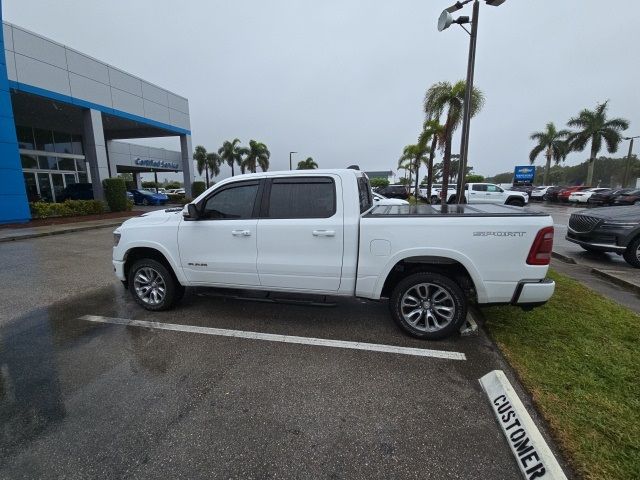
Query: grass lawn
{"x":579,"y":357}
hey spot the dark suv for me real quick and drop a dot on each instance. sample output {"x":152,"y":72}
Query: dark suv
{"x":76,"y":191}
{"x":394,"y":191}
{"x":608,"y":229}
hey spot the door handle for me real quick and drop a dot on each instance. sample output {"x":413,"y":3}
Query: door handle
{"x":240,"y":233}
{"x":324,"y":233}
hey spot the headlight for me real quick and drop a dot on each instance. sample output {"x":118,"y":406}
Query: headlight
{"x":612,"y":224}
{"x":116,"y":238}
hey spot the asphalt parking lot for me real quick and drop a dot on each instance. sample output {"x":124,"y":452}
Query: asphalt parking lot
{"x":85,"y":399}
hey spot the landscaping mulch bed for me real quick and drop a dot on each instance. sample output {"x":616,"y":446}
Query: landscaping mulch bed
{"x":43,"y":222}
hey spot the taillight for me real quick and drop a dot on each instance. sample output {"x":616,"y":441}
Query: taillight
{"x":540,"y":253}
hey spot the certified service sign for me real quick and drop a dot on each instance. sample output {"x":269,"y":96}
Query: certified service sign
{"x":533,"y":455}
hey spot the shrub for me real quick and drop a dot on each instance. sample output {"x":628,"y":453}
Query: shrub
{"x":115,"y":192}
{"x":69,"y":208}
{"x":171,"y":185}
{"x":149,"y":185}
{"x":474,"y":178}
{"x":197,"y":188}
{"x":175,"y":197}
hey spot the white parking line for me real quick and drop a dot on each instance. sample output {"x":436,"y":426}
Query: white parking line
{"x":270,"y":337}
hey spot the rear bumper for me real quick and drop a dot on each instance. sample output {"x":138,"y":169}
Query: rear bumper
{"x":531,"y":293}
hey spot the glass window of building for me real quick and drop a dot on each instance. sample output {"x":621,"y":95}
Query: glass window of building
{"x":76,"y":145}
{"x":44,"y":140}
{"x":29,"y":161}
{"x":62,"y":142}
{"x":47,"y":163}
{"x":66,"y":164}
{"x":25,"y":138}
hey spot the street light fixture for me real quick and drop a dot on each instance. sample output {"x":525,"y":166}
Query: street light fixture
{"x":444,"y":22}
{"x":290,"y":165}
{"x":627,"y":170}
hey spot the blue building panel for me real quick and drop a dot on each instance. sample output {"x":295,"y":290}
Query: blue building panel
{"x":14,"y":206}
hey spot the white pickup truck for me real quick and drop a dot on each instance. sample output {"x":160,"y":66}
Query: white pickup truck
{"x":319,"y":232}
{"x":482,"y":193}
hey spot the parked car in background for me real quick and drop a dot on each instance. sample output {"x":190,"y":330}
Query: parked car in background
{"x":76,"y":191}
{"x":608,"y":229}
{"x":628,"y":198}
{"x":394,"y":191}
{"x":522,"y":188}
{"x":175,"y":191}
{"x":538,"y":193}
{"x":563,"y":195}
{"x":606,"y":198}
{"x":551,"y":194}
{"x":489,"y":193}
{"x":381,"y":200}
{"x":145,"y":197}
{"x":582,"y":196}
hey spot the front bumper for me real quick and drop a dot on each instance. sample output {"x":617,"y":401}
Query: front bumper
{"x":605,"y":247}
{"x":118,"y":268}
{"x":531,"y":293}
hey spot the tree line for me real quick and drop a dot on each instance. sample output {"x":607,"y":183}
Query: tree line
{"x":233,"y":154}
{"x":592,"y":127}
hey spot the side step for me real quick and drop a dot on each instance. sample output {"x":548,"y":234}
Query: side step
{"x":268,"y":297}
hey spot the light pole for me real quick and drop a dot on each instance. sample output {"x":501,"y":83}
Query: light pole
{"x":627,"y":170}
{"x":444,"y":22}
{"x":290,"y":165}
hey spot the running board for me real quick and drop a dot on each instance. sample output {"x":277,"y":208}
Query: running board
{"x":268,"y":298}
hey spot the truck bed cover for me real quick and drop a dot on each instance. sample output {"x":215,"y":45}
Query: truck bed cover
{"x":476,"y":210}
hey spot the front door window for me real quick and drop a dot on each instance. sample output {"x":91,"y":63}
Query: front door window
{"x":46,"y":193}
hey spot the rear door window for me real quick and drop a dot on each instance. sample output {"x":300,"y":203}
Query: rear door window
{"x":302,"y":197}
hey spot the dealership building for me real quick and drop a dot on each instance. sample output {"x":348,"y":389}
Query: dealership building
{"x":66,"y":118}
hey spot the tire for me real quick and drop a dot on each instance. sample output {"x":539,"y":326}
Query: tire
{"x":145,"y":202}
{"x":148,"y":271}
{"x":515,"y":202}
{"x":632,"y":253}
{"x":434,"y":199}
{"x":423,"y":288}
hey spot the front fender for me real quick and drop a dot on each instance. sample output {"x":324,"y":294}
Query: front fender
{"x":172,"y":258}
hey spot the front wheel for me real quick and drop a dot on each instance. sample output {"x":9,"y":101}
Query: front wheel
{"x":632,"y":253}
{"x":153,"y":286}
{"x":515,"y":202}
{"x":428,"y":305}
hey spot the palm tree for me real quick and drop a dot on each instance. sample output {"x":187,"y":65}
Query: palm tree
{"x":231,"y":153}
{"x":435,"y":131}
{"x":202,"y":163}
{"x":443,"y":96}
{"x":213,"y":162}
{"x":406,"y":165}
{"x":594,"y":127}
{"x":308,"y":164}
{"x":553,"y":142}
{"x":414,"y":155}
{"x":257,"y":155}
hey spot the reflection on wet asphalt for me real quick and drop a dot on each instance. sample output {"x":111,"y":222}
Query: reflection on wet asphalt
{"x":85,"y":400}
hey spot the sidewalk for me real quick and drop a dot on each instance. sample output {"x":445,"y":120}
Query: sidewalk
{"x":11,"y":234}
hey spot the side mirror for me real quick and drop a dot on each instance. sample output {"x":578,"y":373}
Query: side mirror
{"x":192,"y":210}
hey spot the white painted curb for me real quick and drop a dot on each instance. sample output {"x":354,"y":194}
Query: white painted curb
{"x":533,"y":455}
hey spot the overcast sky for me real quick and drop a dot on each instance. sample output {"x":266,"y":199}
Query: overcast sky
{"x":343,"y":81}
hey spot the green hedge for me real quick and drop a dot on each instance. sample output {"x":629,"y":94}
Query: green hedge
{"x":115,"y":193}
{"x":69,"y":208}
{"x":197,"y":188}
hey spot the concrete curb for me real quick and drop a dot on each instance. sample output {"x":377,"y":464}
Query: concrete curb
{"x":27,"y":236}
{"x":617,"y":280}
{"x":563,"y":258}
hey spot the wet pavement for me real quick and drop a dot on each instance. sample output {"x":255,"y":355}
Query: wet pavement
{"x":80,"y":399}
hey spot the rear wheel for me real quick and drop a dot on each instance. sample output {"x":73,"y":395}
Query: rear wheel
{"x":632,"y":253}
{"x":428,"y":305}
{"x":153,"y":285}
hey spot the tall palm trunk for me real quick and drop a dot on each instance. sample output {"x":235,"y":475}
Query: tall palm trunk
{"x":206,"y":173}
{"x":548,"y":167}
{"x":417,"y":179}
{"x":446,"y":166}
{"x":592,"y":164}
{"x":232,"y":170}
{"x":432,"y":154}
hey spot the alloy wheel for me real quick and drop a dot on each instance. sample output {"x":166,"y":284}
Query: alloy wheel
{"x":149,"y":286}
{"x":428,"y":307}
